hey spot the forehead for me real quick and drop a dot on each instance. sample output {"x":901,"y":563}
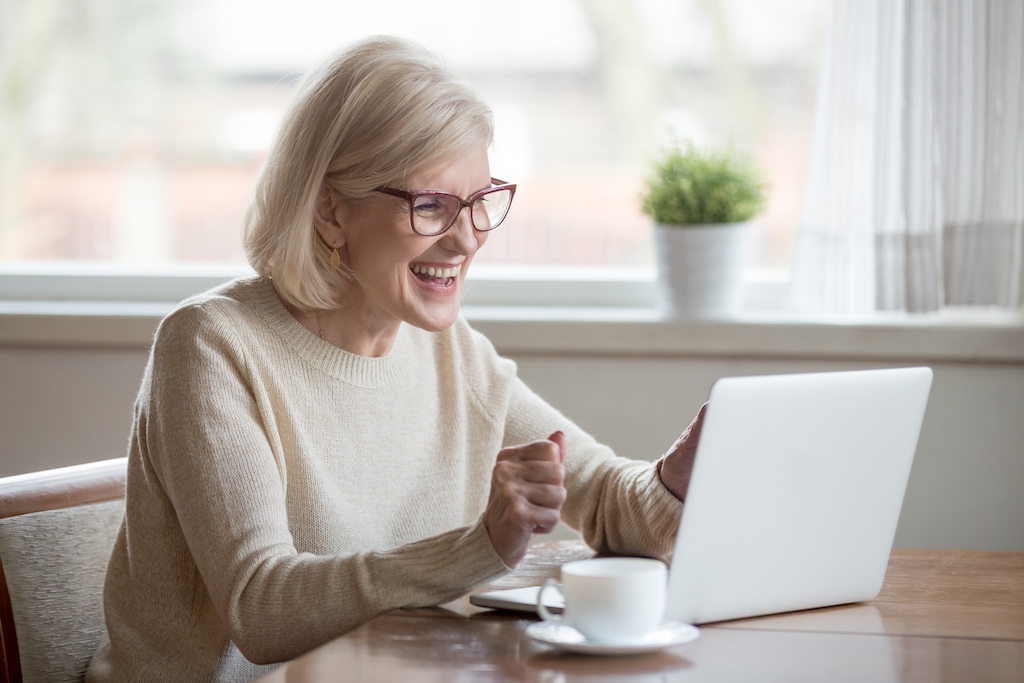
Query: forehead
{"x":462,"y":174}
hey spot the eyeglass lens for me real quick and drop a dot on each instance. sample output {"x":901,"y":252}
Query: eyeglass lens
{"x":434,"y":213}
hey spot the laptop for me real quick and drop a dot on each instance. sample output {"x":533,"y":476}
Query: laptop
{"x":795,"y":495}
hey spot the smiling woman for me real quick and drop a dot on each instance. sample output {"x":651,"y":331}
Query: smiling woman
{"x":399,"y":119}
{"x":329,"y":439}
{"x":394,"y":274}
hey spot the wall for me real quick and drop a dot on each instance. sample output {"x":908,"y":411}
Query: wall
{"x":66,"y":391}
{"x":965,"y":486}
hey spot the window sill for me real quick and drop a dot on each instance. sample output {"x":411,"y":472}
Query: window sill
{"x":951,"y":336}
{"x":558,"y":311}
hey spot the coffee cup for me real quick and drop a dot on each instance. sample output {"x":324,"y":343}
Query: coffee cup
{"x":616,"y":600}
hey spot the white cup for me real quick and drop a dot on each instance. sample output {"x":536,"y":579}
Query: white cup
{"x":610,"y":599}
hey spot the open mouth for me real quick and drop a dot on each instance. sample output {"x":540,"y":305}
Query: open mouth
{"x":444,"y":277}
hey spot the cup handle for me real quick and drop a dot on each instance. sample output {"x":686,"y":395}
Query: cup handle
{"x":541,"y":609}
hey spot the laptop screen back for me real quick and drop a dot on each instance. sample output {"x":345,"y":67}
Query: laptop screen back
{"x":796,"y":492}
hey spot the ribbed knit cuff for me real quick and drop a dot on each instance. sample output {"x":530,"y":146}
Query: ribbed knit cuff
{"x":665,"y":510}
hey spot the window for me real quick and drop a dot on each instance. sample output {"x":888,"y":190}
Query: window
{"x":132,"y":130}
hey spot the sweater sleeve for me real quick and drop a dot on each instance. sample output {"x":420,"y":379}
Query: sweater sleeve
{"x":618,"y":505}
{"x":203,"y":444}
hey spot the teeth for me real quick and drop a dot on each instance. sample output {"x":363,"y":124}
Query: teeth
{"x":436,"y":272}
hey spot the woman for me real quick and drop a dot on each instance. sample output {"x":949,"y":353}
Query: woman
{"x":329,"y":439}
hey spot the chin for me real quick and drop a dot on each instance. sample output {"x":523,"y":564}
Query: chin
{"x":439,"y":322}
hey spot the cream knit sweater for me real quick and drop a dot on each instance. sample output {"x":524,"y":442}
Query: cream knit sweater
{"x":282,"y":491}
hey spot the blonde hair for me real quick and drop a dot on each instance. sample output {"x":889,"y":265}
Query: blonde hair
{"x":371,"y":115}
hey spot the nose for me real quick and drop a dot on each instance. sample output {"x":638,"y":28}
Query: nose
{"x":462,"y":237}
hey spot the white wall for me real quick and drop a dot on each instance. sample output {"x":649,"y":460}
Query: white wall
{"x":965,"y":489}
{"x":64,"y":402}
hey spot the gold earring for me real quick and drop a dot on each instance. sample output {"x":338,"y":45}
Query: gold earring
{"x":335,"y":257}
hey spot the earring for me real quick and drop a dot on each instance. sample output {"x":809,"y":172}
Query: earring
{"x":335,"y":257}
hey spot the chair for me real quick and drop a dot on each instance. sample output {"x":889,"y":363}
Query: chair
{"x":57,"y":529}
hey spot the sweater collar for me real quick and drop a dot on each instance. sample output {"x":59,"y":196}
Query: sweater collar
{"x":343,"y":365}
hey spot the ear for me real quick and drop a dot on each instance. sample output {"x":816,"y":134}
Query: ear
{"x":327,"y":217}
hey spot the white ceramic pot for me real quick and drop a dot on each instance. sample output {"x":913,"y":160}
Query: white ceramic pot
{"x":700,"y":269}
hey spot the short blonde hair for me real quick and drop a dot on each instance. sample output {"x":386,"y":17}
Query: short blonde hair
{"x":372,"y":115}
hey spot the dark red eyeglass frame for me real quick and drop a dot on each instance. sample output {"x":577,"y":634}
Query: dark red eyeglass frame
{"x":410,"y":197}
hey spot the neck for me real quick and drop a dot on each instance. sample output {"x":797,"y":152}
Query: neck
{"x":343,"y":328}
{"x":361,"y":339}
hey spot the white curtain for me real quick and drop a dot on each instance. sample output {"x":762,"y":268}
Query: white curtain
{"x":915,"y":199}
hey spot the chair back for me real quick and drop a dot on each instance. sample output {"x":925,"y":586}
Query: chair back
{"x":57,"y":529}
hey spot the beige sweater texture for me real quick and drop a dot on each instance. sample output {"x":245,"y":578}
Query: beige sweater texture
{"x":282,"y":491}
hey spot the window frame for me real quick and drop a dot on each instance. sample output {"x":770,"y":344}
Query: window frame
{"x":488,"y":286}
{"x":559,"y":316}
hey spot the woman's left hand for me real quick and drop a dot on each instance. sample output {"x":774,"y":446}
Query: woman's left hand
{"x":677,"y":463}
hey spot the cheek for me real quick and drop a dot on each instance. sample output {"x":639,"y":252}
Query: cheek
{"x":481,"y":238}
{"x":371,"y":224}
{"x":382,"y":247}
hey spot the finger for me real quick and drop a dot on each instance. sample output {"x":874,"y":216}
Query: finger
{"x":698,"y":421}
{"x":544,"y":449}
{"x":546,"y":528}
{"x":558,"y":438}
{"x":521,"y":516}
{"x":512,"y":493}
{"x":541,"y":472}
{"x":528,"y":471}
{"x":693,"y":431}
{"x":688,"y":440}
{"x":545,"y":520}
{"x":545,"y":496}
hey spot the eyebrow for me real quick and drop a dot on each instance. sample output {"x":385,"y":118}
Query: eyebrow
{"x":494,"y":182}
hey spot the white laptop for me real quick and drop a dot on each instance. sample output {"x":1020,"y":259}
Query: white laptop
{"x":795,"y":494}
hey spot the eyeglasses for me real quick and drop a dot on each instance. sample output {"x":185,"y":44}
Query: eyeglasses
{"x":432,"y":212}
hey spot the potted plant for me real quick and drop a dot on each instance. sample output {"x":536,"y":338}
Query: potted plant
{"x":702,"y":203}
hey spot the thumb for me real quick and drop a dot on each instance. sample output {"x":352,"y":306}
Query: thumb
{"x":559,"y":440}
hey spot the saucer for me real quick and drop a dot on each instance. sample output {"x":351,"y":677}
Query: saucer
{"x":568,"y":639}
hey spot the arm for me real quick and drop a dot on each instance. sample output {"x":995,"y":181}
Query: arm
{"x":618,"y":505}
{"x":209,"y":444}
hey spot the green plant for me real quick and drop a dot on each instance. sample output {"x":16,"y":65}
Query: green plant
{"x":690,"y":187}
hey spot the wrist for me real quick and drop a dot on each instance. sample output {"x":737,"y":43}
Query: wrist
{"x":675,"y":483}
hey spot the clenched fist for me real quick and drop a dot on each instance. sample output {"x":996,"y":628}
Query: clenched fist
{"x":526,"y":495}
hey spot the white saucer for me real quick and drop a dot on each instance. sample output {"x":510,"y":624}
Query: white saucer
{"x":570,"y":640}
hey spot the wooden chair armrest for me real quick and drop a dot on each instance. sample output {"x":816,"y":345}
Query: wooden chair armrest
{"x":63,"y":487}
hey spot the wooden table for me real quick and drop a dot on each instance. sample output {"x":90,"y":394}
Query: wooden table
{"x":942,"y":616}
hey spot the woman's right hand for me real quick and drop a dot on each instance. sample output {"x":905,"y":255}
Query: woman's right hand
{"x":526,"y":495}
